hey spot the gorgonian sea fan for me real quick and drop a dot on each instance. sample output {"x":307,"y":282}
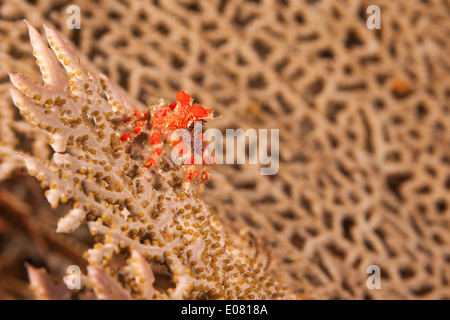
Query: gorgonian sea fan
{"x":138,"y":212}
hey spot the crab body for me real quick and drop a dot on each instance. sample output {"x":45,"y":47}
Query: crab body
{"x":162,"y":123}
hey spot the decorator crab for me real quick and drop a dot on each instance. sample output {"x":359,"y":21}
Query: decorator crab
{"x":162,"y":124}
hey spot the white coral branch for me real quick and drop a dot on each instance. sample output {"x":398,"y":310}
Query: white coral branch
{"x":105,"y":286}
{"x":141,"y":214}
{"x":43,"y":286}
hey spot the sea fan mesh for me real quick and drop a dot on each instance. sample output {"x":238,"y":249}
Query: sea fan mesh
{"x":363,"y":117}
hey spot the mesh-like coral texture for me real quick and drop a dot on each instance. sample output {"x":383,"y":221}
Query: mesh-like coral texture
{"x":363,"y":117}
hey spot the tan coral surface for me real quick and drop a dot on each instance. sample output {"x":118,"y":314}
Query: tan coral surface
{"x":363,"y":116}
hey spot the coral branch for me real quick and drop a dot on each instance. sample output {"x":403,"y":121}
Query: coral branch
{"x":43,"y":287}
{"x":138,"y":212}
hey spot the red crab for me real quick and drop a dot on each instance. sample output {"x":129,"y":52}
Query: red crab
{"x":163,"y":122}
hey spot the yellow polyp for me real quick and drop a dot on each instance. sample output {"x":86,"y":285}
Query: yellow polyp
{"x":64,"y":199}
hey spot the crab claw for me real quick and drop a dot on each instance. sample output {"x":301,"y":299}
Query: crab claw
{"x":183,"y":98}
{"x":199,"y":112}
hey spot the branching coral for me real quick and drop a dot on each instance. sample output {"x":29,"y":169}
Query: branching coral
{"x":136,"y":214}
